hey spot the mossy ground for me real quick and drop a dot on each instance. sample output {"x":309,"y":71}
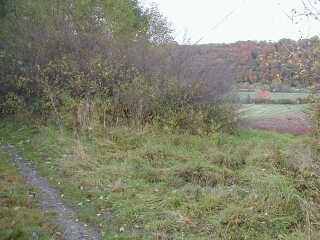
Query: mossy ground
{"x":153,"y":184}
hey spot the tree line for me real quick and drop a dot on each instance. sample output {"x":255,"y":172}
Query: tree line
{"x":281,"y":65}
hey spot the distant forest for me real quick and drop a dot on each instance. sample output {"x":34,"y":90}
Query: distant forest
{"x":282,"y":64}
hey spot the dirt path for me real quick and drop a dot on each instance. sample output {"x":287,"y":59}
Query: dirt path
{"x":51,"y":202}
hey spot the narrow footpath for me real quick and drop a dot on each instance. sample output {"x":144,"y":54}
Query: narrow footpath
{"x":51,"y":202}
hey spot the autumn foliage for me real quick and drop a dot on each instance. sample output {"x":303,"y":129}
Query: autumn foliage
{"x":280,"y":65}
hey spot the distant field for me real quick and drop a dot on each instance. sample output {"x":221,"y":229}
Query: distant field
{"x":279,"y":117}
{"x":259,"y":111}
{"x":275,"y":96}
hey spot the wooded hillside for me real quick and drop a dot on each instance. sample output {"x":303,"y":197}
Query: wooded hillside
{"x":282,"y":64}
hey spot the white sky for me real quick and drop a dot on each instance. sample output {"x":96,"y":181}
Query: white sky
{"x":251,"y":20}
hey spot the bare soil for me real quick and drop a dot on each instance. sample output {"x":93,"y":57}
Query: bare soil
{"x":294,"y":123}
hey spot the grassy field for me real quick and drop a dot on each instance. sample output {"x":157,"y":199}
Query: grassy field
{"x":19,"y":216}
{"x":160,"y":185}
{"x":258,"y":111}
{"x":275,"y":96}
{"x":289,"y":118}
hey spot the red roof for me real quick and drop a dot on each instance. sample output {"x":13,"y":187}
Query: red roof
{"x":264,"y":94}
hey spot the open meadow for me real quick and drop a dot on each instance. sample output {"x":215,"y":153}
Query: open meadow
{"x":278,"y":117}
{"x":281,"y":112}
{"x":152,"y":184}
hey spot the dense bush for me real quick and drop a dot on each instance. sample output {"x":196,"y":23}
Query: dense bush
{"x":139,"y":103}
{"x":105,"y":62}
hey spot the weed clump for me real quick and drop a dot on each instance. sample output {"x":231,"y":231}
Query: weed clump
{"x":229,"y":157}
{"x":206,"y":176}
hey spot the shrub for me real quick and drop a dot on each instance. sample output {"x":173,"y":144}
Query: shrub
{"x":136,"y":101}
{"x":200,"y":119}
{"x":13,"y":104}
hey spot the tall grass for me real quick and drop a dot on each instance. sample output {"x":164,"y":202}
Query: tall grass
{"x":146,"y":184}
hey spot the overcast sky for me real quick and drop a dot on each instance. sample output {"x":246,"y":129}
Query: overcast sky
{"x":225,"y":21}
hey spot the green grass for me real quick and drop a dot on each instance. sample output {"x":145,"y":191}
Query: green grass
{"x":156,"y":185}
{"x":263,"y":111}
{"x":19,"y":217}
